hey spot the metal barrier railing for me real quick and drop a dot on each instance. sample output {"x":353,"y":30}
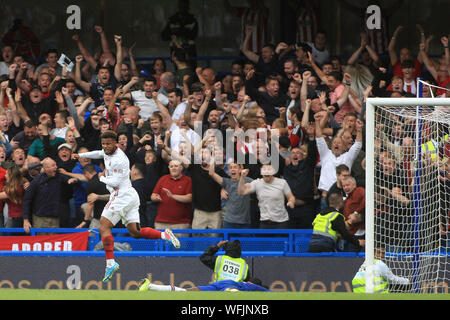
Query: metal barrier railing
{"x":252,"y":240}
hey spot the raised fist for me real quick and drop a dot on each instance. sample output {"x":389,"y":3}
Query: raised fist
{"x":99,"y":29}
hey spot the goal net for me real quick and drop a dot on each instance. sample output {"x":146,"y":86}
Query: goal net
{"x":407,"y":191}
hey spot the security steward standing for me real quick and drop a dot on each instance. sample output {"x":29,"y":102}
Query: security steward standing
{"x":329,"y":226}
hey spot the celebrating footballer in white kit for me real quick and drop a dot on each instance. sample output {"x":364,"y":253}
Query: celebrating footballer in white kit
{"x":123,"y":202}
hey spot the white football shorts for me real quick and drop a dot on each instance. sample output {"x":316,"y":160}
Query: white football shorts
{"x":123,"y":205}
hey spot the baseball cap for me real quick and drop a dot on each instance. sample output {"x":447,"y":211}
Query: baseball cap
{"x":65,"y":145}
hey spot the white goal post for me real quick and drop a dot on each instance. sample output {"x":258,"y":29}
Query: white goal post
{"x":419,"y":111}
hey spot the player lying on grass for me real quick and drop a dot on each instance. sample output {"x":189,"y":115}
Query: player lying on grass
{"x":253,"y":284}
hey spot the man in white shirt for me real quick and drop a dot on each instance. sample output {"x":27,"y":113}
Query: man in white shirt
{"x":123,"y":201}
{"x":330,"y":159}
{"x":179,"y":132}
{"x":271,"y":193}
{"x":8,"y":57}
{"x":320,"y":53}
{"x":144,"y":99}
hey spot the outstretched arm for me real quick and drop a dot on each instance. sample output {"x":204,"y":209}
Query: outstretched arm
{"x":134,"y":69}
{"x":119,"y":54}
{"x":85,"y":53}
{"x":85,"y":86}
{"x":244,"y":188}
{"x":354,"y":57}
{"x":105,"y":45}
{"x":245,"y":50}
{"x":163,"y":110}
{"x":426,"y":60}
{"x":213,"y":173}
{"x":391,"y":49}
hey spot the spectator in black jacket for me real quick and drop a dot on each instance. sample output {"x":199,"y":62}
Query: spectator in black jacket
{"x":144,"y":190}
{"x":271,"y":100}
{"x":299,"y":174}
{"x":42,"y":203}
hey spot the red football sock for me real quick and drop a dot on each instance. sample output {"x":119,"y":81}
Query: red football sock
{"x":108,"y":245}
{"x":149,"y":233}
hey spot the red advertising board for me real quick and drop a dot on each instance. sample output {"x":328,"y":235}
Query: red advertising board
{"x":58,"y":242}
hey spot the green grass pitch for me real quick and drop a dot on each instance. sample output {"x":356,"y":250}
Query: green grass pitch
{"x":25,"y":294}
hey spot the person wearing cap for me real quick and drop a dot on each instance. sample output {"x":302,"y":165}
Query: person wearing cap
{"x":271,"y":193}
{"x":33,"y":170}
{"x":228,"y":266}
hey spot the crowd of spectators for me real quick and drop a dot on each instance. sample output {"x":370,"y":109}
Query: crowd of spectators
{"x":306,"y":111}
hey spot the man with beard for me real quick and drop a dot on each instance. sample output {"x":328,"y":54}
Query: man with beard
{"x":175,"y":97}
{"x":25,"y":138}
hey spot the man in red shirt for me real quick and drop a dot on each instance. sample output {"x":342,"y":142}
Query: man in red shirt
{"x":404,"y":54}
{"x":354,"y":202}
{"x":173,"y":193}
{"x":439,"y":72}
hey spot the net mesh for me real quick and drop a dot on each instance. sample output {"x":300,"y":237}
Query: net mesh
{"x":412,"y":184}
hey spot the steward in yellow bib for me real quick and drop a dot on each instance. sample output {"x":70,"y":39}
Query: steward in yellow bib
{"x":383,"y":278}
{"x":329,"y":226}
{"x":229,"y":266}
